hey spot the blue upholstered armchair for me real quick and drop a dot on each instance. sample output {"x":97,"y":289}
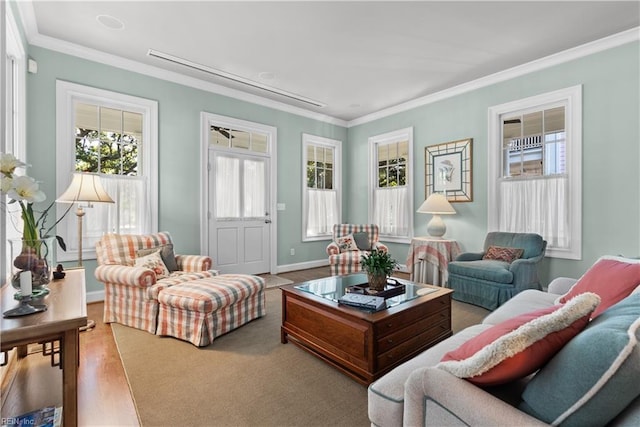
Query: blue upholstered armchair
{"x":508,"y":265}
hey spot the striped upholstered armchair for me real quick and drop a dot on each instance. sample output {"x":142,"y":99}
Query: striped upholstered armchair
{"x":131,"y":286}
{"x":350,"y":242}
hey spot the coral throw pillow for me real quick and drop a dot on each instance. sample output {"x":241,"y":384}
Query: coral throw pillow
{"x":519,"y":346}
{"x":153,"y":261}
{"x":612,"y":278}
{"x":347,"y":243}
{"x":501,"y":253}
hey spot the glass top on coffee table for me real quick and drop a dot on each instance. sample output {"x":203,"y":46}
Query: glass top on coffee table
{"x":334,"y":287}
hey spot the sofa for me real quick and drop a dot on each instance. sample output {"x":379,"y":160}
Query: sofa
{"x":507,"y":265}
{"x":588,"y":377}
{"x":350,"y":242}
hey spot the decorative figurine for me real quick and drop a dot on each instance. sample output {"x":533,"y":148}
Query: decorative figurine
{"x":59,"y":273}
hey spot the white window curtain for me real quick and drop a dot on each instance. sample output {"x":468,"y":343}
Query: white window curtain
{"x":322,"y":211}
{"x":254,"y":191}
{"x":130,"y":214}
{"x":391,"y":210}
{"x":227,"y":187}
{"x":536,"y":205}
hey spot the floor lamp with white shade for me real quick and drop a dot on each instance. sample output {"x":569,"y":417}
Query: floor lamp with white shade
{"x":84,"y":188}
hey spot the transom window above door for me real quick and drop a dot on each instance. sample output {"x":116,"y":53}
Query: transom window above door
{"x":226,"y":137}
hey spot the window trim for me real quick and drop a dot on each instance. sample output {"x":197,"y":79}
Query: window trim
{"x":387,"y":138}
{"x":66,"y":95}
{"x":571,"y":98}
{"x":14,"y":48}
{"x":308,"y":139}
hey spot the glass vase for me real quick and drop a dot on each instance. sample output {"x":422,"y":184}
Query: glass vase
{"x":35,"y":256}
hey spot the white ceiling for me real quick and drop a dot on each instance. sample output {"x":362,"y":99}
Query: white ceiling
{"x":355,"y":57}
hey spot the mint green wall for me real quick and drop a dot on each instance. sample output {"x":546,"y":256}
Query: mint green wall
{"x":611,"y":150}
{"x":179,"y":146}
{"x":611,"y":154}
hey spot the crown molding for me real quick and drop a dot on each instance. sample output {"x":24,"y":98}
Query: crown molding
{"x":539,"y":64}
{"x":152,"y":71}
{"x":27,"y":16}
{"x":36,"y":39}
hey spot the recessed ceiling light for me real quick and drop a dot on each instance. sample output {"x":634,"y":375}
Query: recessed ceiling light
{"x":110,"y":22}
{"x":266,"y":75}
{"x":355,"y":105}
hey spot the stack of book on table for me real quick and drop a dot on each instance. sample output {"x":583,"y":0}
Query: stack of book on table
{"x":368,"y":302}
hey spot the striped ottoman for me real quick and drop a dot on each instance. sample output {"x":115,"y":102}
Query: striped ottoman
{"x":200,"y":310}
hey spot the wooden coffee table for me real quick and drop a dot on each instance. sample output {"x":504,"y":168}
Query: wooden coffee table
{"x":364,"y":345}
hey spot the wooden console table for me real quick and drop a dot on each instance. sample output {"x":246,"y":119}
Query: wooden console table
{"x":66,"y":312}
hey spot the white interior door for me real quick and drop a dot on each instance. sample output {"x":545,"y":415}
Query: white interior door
{"x":239,"y":217}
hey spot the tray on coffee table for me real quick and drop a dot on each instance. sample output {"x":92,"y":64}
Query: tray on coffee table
{"x":392,"y":289}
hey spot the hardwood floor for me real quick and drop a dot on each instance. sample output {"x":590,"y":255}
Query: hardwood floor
{"x":103,"y":393}
{"x":104,"y":398}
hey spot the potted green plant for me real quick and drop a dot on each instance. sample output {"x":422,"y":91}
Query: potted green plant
{"x":378,"y":265}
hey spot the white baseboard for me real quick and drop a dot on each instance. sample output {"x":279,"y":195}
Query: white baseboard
{"x":302,"y":265}
{"x":320,"y":263}
{"x":95,"y":296}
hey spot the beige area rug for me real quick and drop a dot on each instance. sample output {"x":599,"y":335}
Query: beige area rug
{"x":244,"y":378}
{"x":272,"y":281}
{"x":464,"y":315}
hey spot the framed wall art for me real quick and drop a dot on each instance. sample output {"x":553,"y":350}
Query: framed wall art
{"x":448,"y":170}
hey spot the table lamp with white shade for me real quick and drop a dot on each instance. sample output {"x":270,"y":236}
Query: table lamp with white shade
{"x":436,"y":204}
{"x":84,"y":188}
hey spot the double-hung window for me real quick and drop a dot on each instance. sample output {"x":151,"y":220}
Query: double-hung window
{"x":115,"y":136}
{"x":535,"y":169}
{"x":322,"y":188}
{"x":391,"y":184}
